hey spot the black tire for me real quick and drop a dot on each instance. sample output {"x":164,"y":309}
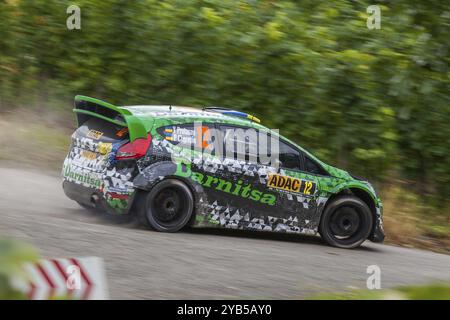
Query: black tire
{"x":167,"y":207}
{"x":346,"y":222}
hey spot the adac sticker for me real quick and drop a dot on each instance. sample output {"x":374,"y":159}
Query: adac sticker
{"x":291,"y":184}
{"x":94,"y":134}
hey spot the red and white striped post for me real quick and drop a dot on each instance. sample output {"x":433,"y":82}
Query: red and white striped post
{"x":72,"y":278}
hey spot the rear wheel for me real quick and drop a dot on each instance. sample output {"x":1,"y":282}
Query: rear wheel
{"x":168,"y":206}
{"x":346,"y":222}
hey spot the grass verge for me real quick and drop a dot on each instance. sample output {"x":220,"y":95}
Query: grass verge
{"x":409,"y":222}
{"x":426,"y":292}
{"x":32,"y":140}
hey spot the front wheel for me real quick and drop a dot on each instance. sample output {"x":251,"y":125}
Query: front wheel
{"x":346,"y":222}
{"x":168,"y":206}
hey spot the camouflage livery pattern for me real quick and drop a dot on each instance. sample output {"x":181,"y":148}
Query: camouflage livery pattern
{"x":229,"y":202}
{"x":99,"y":172}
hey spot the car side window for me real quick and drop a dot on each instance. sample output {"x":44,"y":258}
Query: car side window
{"x":289,"y":157}
{"x":312,"y":167}
{"x":239,"y":143}
{"x":187,"y":135}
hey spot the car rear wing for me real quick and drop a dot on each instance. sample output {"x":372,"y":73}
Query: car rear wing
{"x":86,"y":107}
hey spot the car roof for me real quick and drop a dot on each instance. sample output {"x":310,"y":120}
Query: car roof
{"x":186,"y":114}
{"x":143,"y":110}
{"x":182,"y":113}
{"x":149,"y":109}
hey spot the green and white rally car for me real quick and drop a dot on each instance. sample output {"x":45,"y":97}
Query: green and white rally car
{"x":214,"y":167}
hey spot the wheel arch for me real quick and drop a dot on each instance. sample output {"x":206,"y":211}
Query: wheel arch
{"x":358,"y":191}
{"x":160,"y":171}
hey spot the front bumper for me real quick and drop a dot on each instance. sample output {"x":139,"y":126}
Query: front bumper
{"x":378,"y":231}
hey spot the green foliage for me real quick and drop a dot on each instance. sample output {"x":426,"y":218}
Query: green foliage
{"x":437,"y":291}
{"x":12,"y":257}
{"x":371,"y":101}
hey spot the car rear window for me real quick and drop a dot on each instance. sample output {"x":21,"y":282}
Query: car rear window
{"x":102,"y":130}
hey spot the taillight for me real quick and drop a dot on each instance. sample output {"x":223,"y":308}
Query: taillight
{"x":133,"y":150}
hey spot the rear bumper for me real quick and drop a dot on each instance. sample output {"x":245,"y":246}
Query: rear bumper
{"x":94,"y":198}
{"x":79,"y":193}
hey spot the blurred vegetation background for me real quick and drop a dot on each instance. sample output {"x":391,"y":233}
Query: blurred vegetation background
{"x":375,"y":102}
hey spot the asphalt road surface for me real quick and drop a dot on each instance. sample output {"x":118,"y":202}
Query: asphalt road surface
{"x":197,"y":263}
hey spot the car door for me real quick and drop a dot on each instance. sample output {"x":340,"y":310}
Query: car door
{"x":289,"y":192}
{"x":297,"y":191}
{"x":240,"y":166}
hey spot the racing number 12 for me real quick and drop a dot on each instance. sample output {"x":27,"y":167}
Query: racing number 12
{"x":308,"y":187}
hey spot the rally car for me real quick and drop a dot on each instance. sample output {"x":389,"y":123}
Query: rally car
{"x":176,"y":166}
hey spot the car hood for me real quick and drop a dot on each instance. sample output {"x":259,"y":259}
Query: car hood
{"x":338,"y":173}
{"x":345,"y":175}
